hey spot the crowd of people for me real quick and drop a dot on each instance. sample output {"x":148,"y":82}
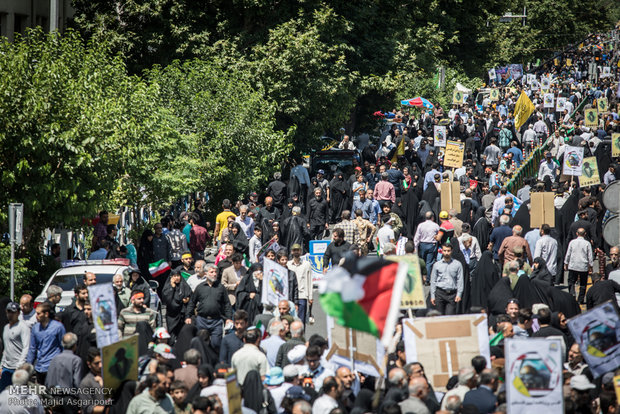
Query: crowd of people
{"x":482,"y":257}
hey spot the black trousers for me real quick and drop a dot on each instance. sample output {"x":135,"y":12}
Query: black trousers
{"x":582,"y":277}
{"x":444,"y":302}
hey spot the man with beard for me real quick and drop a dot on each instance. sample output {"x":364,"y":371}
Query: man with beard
{"x":614,"y":255}
{"x":294,"y":229}
{"x":335,"y":250}
{"x":74,"y":316}
{"x":176,"y":295}
{"x":234,"y":340}
{"x":210,"y":301}
{"x":446,"y":282}
{"x":339,"y":196}
{"x":318,"y":213}
{"x":154,"y":398}
{"x":266,"y":216}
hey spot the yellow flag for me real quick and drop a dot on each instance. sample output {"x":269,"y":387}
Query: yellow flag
{"x":400,"y":150}
{"x":523,"y":109}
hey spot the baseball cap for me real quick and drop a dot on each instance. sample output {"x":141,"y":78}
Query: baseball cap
{"x":358,"y":168}
{"x":581,"y":383}
{"x":296,"y":246}
{"x":12,"y":307}
{"x":297,"y":393}
{"x":164,"y":350}
{"x":253,"y":194}
{"x":443,"y":215}
{"x":161,"y":333}
{"x":275,"y":376}
{"x":321,"y":172}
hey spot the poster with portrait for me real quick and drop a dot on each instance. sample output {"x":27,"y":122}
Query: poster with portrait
{"x":457,"y":97}
{"x":548,"y":100}
{"x":591,"y":117}
{"x":573,"y":160}
{"x":615,"y":144}
{"x":119,"y":362}
{"x":494,"y":95}
{"x":531,"y":78}
{"x":103,"y":304}
{"x":439,"y":136}
{"x":601,"y":105}
{"x":597,"y":332}
{"x":534,"y":375}
{"x":275,"y":282}
{"x":606,"y":72}
{"x":413,"y":291}
{"x":545,"y":83}
{"x":443,"y":344}
{"x":589,"y":173}
{"x":560,"y":104}
{"x":492,"y":75}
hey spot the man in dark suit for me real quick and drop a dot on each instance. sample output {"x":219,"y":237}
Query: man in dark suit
{"x":483,"y":397}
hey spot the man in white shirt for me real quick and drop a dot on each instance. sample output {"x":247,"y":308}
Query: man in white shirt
{"x":250,"y":357}
{"x":385,"y":234}
{"x":246,"y":223}
{"x":547,"y":249}
{"x":467,"y":381}
{"x":332,"y":389}
{"x":200,"y":276}
{"x":578,"y":262}
{"x":303,"y":272}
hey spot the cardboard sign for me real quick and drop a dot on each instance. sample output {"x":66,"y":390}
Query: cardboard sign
{"x":615,"y":144}
{"x":450,"y":195}
{"x":275,"y":282}
{"x":439,"y":136}
{"x":589,"y":173}
{"x":617,"y":386}
{"x":443,"y":344}
{"x":548,"y":100}
{"x":494,"y":95}
{"x":542,"y":210}
{"x":413,"y":290}
{"x":591,"y":116}
{"x":234,"y":393}
{"x":573,"y":160}
{"x":597,"y":332}
{"x":454,"y":154}
{"x":601,"y":105}
{"x":103,"y":304}
{"x":119,"y":362}
{"x":367,"y":350}
{"x":534,"y":375}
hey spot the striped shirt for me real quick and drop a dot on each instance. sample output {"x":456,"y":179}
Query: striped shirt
{"x":129,"y":318}
{"x":350,"y":230}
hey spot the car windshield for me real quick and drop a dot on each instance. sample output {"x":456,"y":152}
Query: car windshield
{"x":68,"y":282}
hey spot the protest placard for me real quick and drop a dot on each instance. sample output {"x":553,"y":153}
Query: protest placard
{"x":103,"y":304}
{"x":443,"y":344}
{"x":560,"y":104}
{"x":589,"y":173}
{"x":542,"y":210}
{"x":233,"y":392}
{"x":366,"y":349}
{"x":119,"y":362}
{"x":492,"y":75}
{"x":591,"y":117}
{"x":615,"y":144}
{"x":601,"y":105}
{"x":457,"y":97}
{"x":453,"y":156}
{"x":545,"y":83}
{"x":494,"y":95}
{"x":413,"y":290}
{"x":597,"y":333}
{"x":534,"y":375}
{"x":439,"y":136}
{"x":548,"y":100}
{"x":275,"y":282}
{"x":450,"y":196}
{"x":573,"y":160}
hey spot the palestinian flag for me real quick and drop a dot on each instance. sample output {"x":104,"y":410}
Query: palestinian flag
{"x":365,"y":295}
{"x":158,"y":268}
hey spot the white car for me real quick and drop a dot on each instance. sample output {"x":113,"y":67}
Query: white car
{"x":72,"y":274}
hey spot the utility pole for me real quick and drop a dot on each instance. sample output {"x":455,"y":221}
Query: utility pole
{"x":16,"y":232}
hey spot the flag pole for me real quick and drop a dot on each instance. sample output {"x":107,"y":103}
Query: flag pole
{"x":351,"y":349}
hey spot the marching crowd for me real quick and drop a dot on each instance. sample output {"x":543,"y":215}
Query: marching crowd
{"x":482,"y":257}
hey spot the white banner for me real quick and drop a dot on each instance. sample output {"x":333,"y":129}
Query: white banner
{"x":534,"y":375}
{"x":275,"y":282}
{"x":104,"y":313}
{"x":573,"y":161}
{"x":598,"y":334}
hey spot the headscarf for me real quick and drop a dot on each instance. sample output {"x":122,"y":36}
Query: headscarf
{"x":484,"y":278}
{"x":239,"y":241}
{"x":482,"y":231}
{"x":252,"y":306}
{"x":363,"y":402}
{"x":541,"y":272}
{"x":522,"y":217}
{"x":253,"y":395}
{"x":123,"y":396}
{"x":184,"y":339}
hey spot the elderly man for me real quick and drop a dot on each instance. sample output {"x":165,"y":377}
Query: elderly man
{"x":65,"y":370}
{"x":418,"y":390}
{"x":467,"y":381}
{"x":424,"y":241}
{"x":122,"y":292}
{"x":578,"y":261}
{"x":246,"y":222}
{"x":250,"y":357}
{"x":272,"y":344}
{"x":507,"y":248}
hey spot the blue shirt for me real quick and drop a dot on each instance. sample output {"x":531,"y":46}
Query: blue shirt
{"x":497,"y":237}
{"x":366,"y":207}
{"x":186,"y":230}
{"x":45,"y":344}
{"x":517,"y":155}
{"x":430,"y":177}
{"x":376,"y":210}
{"x":301,"y":174}
{"x":98,"y":254}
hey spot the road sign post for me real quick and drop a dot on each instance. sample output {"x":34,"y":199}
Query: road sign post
{"x":16,"y":232}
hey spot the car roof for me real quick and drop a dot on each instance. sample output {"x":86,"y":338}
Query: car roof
{"x":72,"y":270}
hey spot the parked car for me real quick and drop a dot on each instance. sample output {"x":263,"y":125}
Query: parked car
{"x":72,"y":273}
